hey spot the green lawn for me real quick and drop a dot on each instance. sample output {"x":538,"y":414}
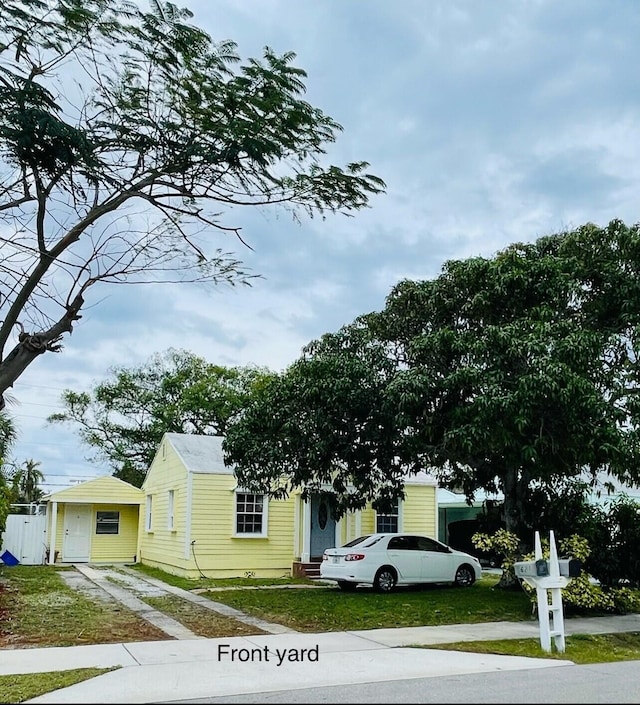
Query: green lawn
{"x":579,"y":648}
{"x":37,"y":608}
{"x":17,"y":689}
{"x":187,"y":584}
{"x":332,"y":610}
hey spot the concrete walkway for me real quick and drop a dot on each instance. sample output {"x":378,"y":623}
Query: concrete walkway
{"x":131,"y":582}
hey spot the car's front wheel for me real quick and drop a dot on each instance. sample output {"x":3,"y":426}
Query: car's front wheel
{"x":465,"y":576}
{"x":385,"y":580}
{"x":346,"y":586}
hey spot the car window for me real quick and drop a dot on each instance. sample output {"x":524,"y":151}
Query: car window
{"x":364,"y":541}
{"x":403,"y":543}
{"x":426,"y":544}
{"x":355,"y":542}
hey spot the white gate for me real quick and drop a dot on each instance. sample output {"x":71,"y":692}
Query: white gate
{"x":25,"y":537}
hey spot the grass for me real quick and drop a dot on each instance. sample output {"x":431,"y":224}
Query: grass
{"x":579,"y":648}
{"x":37,"y":608}
{"x":200,"y":583}
{"x":200,"y":620}
{"x":17,"y":689}
{"x":332,"y":610}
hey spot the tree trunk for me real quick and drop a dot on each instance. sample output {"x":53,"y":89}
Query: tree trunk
{"x":515,"y":486}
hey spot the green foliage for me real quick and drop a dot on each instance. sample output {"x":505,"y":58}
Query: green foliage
{"x":324,"y":422}
{"x":124,"y":418}
{"x":160,"y":118}
{"x":615,"y":559}
{"x":7,"y":488}
{"x":26,"y":480}
{"x":513,"y":374}
{"x":503,"y":543}
{"x":516,"y":367}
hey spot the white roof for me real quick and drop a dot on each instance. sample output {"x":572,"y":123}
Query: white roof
{"x":446,"y":497}
{"x":199,"y":454}
{"x":421,"y":478}
{"x":203,"y":454}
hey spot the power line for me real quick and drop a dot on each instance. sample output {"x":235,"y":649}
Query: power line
{"x":39,"y":386}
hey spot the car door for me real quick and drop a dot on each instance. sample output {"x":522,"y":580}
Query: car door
{"x":438,"y":564}
{"x":403,"y":554}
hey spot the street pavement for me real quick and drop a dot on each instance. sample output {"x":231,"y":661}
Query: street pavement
{"x":594,"y":683}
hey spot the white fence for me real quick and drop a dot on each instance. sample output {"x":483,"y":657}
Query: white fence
{"x":25,"y":538}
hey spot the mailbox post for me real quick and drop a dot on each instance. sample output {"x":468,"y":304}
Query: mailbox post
{"x":548,"y":576}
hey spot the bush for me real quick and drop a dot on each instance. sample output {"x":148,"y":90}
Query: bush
{"x":615,"y":561}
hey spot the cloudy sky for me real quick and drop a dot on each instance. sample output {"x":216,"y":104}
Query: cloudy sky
{"x":491,"y":122}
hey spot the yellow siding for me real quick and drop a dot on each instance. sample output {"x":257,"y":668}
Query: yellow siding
{"x":211,"y":527}
{"x":419,"y":510}
{"x":368,"y":521}
{"x":120,"y":547}
{"x":105,"y":548}
{"x":218,"y":552}
{"x":163,"y":547}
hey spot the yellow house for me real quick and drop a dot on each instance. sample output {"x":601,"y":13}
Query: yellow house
{"x":197,"y":520}
{"x":95,"y":521}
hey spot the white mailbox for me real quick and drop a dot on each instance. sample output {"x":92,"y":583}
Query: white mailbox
{"x":531,"y":569}
{"x":549,"y":576}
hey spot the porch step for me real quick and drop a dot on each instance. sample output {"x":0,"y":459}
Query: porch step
{"x":310,"y":569}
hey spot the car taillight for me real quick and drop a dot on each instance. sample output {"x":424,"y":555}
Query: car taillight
{"x":354,"y":557}
{"x":325,"y":557}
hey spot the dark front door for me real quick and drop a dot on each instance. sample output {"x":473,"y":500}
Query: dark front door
{"x":323,"y":526}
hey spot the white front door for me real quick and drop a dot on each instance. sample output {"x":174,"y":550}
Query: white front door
{"x":76,"y":545}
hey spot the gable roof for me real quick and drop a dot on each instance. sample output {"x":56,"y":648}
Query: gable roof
{"x":199,"y":454}
{"x":106,"y":489}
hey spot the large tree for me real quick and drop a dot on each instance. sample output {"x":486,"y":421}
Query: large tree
{"x":124,"y":417}
{"x":125,"y":135}
{"x":27,"y":480}
{"x":510,"y":373}
{"x":323,"y":425}
{"x":521,"y":369}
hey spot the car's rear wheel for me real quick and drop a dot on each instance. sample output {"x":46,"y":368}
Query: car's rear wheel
{"x":346,"y":586}
{"x":465,"y":576}
{"x":385,"y":579}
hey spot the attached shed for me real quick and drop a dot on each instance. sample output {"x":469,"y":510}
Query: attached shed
{"x":95,"y":521}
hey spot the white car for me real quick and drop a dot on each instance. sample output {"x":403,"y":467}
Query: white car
{"x":387,"y":560}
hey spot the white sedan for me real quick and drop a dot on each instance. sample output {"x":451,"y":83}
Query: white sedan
{"x":387,"y":560}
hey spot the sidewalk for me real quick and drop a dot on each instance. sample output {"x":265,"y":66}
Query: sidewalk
{"x":179,"y":670}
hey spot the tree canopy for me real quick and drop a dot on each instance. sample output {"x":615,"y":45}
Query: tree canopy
{"x":507,"y":373}
{"x":321,"y":425}
{"x":124,"y":417}
{"x":125,"y":136}
{"x":26,"y":480}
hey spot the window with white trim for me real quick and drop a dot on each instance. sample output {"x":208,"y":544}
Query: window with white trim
{"x":107,"y":522}
{"x":148,"y":519}
{"x":389,"y":523}
{"x":251,"y":514}
{"x":170,"y":506}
